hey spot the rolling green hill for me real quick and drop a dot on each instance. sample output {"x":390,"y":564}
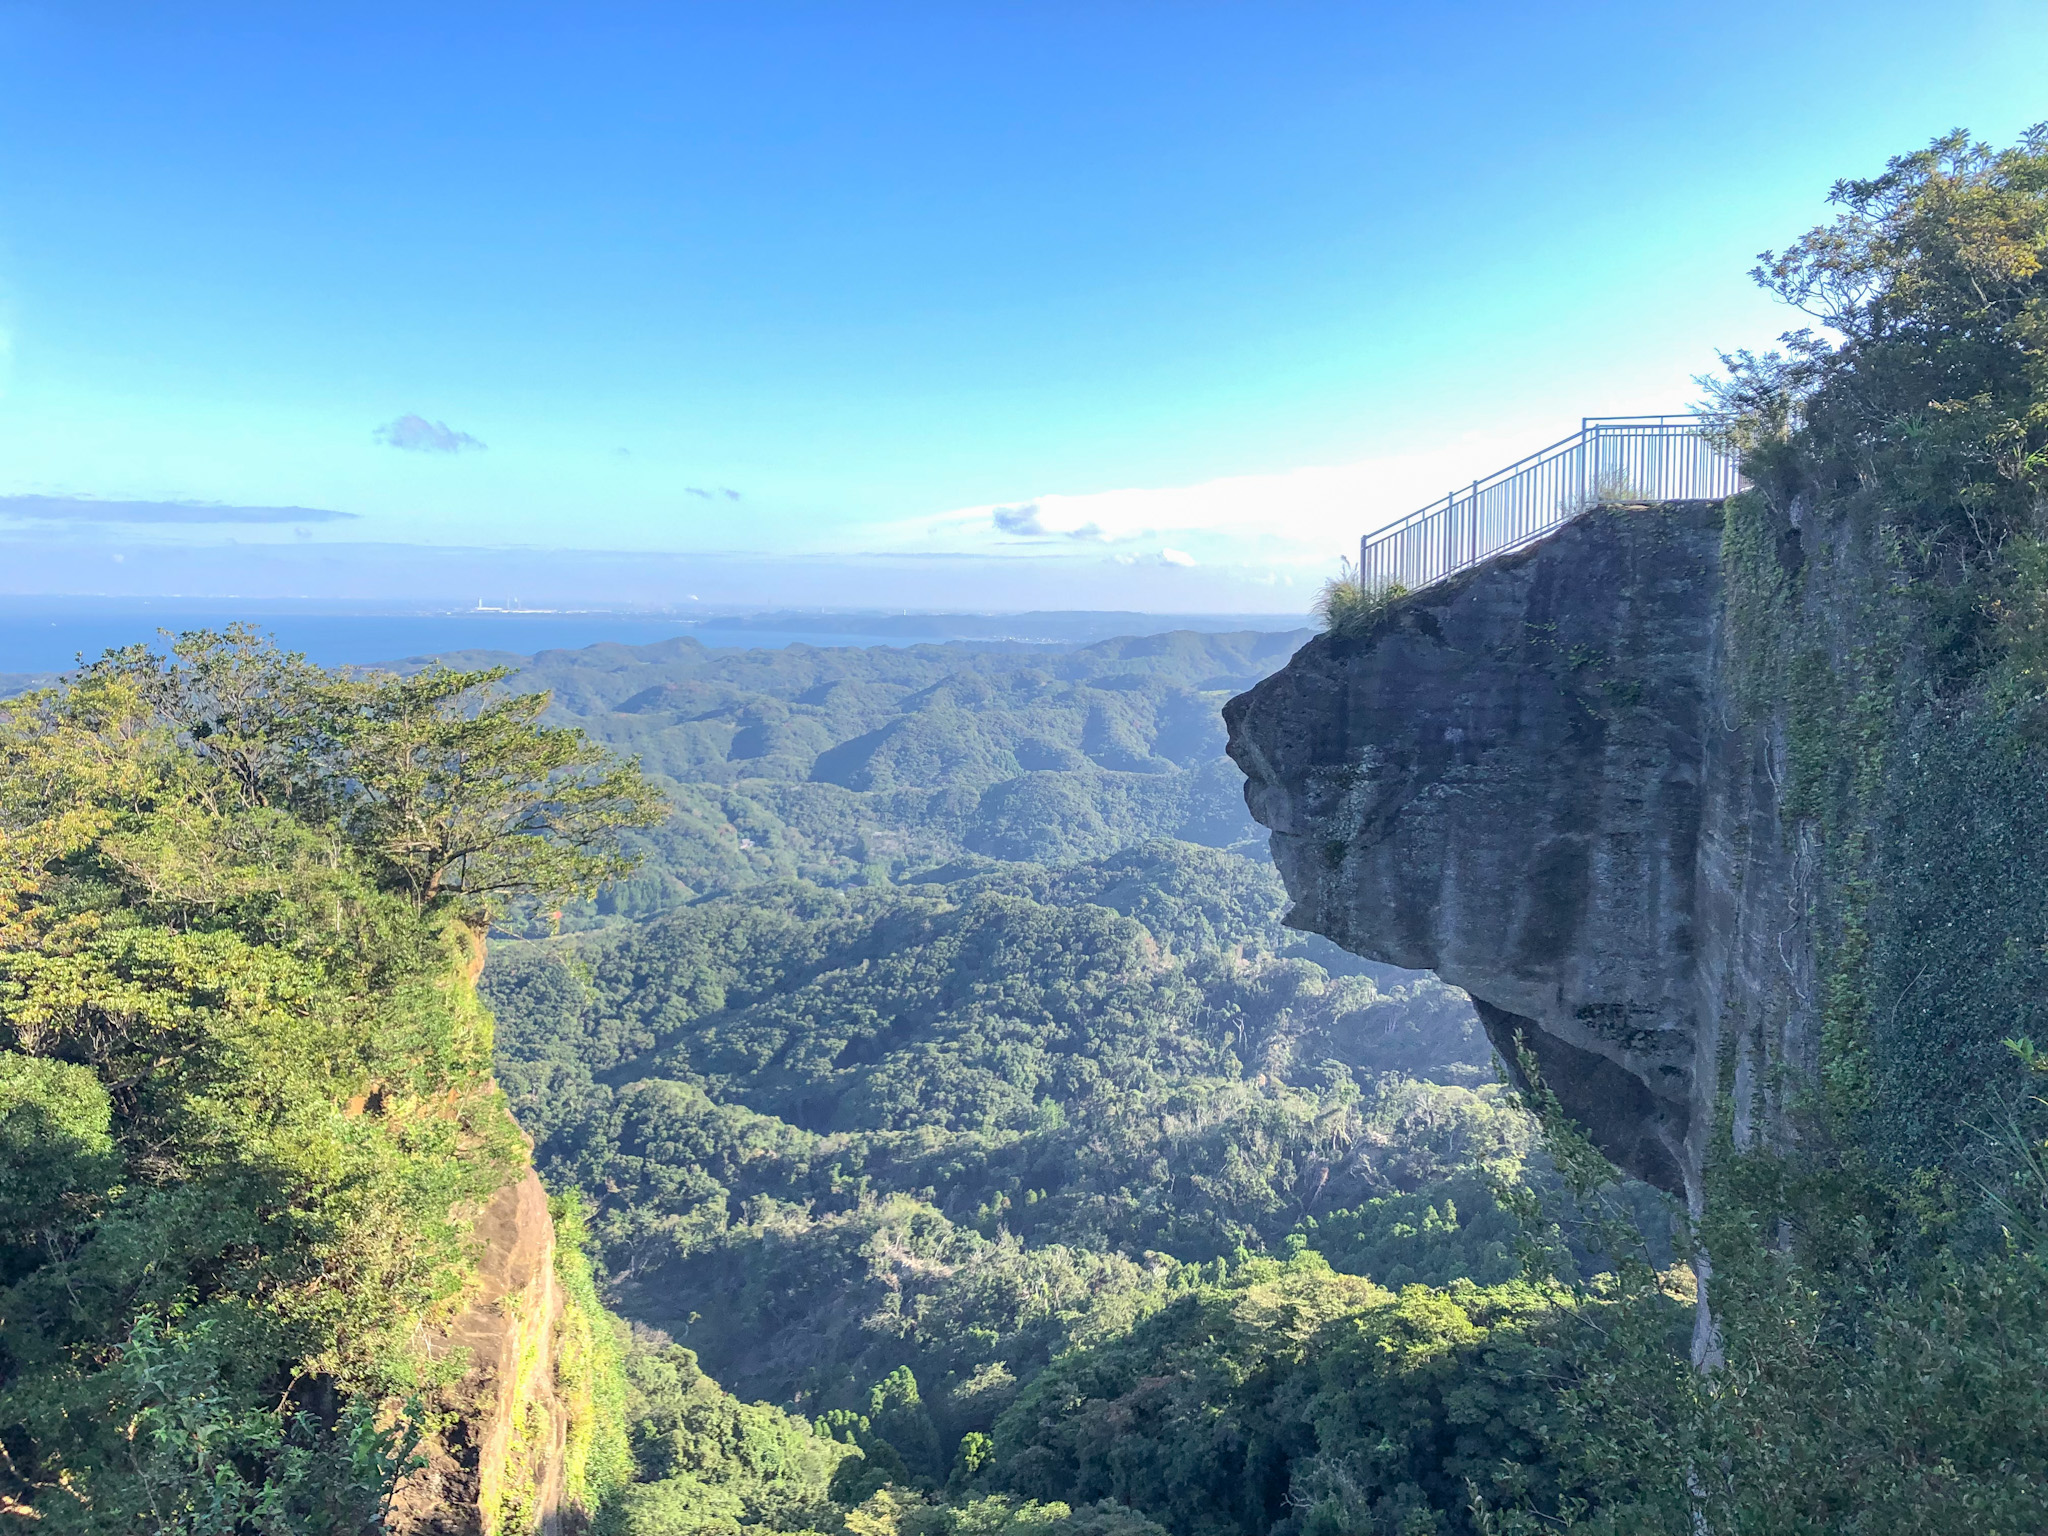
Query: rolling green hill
{"x":861,"y":765}
{"x":1005,"y":1069}
{"x":952,"y":1027}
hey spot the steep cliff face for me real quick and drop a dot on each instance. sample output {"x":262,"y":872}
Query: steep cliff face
{"x":497,"y":1469}
{"x":1530,"y":779}
{"x":515,"y":1455}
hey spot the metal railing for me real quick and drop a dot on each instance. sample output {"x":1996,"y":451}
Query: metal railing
{"x":1610,"y":459}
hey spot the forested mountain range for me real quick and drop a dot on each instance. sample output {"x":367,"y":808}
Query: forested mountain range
{"x":951,"y":1027}
{"x":856,"y":764}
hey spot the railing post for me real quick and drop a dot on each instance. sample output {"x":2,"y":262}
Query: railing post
{"x":1472,"y":528}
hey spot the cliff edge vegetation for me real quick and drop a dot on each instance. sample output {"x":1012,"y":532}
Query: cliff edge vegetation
{"x":271,"y":1252}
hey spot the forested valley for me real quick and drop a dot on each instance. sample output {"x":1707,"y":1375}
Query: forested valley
{"x":912,"y":1045}
{"x":942,"y":1132}
{"x":950,"y":1031}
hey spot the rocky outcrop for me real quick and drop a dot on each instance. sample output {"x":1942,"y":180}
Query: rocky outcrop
{"x":1530,"y":780}
{"x":497,"y":1470}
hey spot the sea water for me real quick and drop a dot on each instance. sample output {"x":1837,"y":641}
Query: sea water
{"x":43,"y":636}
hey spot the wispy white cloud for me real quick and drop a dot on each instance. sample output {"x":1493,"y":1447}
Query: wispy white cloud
{"x":416,"y":434}
{"x":1263,"y":526}
{"x":90,"y":509}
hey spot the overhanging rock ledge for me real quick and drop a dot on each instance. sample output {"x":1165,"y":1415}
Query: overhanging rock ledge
{"x":1526,"y":779}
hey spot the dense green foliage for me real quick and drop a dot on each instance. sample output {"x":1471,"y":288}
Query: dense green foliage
{"x":1886,"y":578}
{"x":1879,"y":1289}
{"x":898,"y":1147}
{"x":944,"y":1126}
{"x":246,"y":1101}
{"x":591,"y":1352}
{"x":1288,"y":1397}
{"x":708,"y":1462}
{"x":849,"y":766}
{"x":1874,"y":1381}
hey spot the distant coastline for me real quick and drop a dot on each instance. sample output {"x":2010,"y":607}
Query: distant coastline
{"x":41,"y":637}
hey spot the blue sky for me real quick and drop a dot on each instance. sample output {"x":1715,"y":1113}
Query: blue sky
{"x":826,"y":286}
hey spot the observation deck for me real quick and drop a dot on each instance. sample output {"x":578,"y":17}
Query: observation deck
{"x":1609,"y":460}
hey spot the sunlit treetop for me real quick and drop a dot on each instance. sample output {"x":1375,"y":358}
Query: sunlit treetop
{"x":444,"y":785}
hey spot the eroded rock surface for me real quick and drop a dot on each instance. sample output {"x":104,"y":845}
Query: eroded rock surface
{"x":1527,"y":780}
{"x":498,"y":1465}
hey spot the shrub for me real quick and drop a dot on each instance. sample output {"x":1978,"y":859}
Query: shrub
{"x":1349,"y":604}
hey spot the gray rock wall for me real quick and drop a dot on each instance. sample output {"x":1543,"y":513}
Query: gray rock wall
{"x":1530,"y":780}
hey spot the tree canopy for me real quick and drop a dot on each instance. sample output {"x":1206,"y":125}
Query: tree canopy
{"x":246,"y":1102}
